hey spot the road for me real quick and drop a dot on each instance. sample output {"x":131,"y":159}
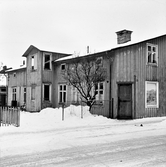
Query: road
{"x":84,"y":147}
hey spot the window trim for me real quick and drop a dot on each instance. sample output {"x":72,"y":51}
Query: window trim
{"x":50,"y":54}
{"x":98,"y":90}
{"x":157,"y":94}
{"x":64,"y":64}
{"x":152,"y":45}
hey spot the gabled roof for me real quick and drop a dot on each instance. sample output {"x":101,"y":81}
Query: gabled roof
{"x":33,"y":47}
{"x":29,"y":50}
{"x":117,"y":46}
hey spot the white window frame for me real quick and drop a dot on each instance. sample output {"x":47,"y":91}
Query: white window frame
{"x":50,"y":90}
{"x":99,"y":97}
{"x":152,"y":53}
{"x":50,"y":54}
{"x":157,"y":95}
{"x":34,"y":62}
{"x":14,"y":93}
{"x":63,"y":92}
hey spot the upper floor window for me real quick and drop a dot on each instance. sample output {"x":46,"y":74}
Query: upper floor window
{"x":99,"y":61}
{"x":152,"y":54}
{"x":34,"y":62}
{"x":14,"y":75}
{"x":63,"y":67}
{"x":47,"y":61}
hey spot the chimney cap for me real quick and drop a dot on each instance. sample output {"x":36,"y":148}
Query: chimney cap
{"x":123,"y":31}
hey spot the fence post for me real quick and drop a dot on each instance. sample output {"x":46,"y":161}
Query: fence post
{"x":81,"y":110}
{"x":63,"y":113}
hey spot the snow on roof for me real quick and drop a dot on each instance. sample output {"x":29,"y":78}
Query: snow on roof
{"x":116,"y":46}
{"x":16,"y":69}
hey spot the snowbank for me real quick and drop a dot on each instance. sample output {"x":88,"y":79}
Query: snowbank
{"x":50,"y":118}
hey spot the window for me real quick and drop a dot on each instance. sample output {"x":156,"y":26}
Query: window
{"x":14,"y":75}
{"x":99,"y":91}
{"x":47,"y":61}
{"x":74,"y":95}
{"x":152,"y":54}
{"x":99,"y":61}
{"x":34,"y":62}
{"x":14,"y":94}
{"x":151,"y":94}
{"x":33,"y":93}
{"x":63,"y":67}
{"x":62,"y":93}
{"x":24,"y":95}
{"x":47,"y":92}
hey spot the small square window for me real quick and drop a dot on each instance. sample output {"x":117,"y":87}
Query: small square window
{"x":63,"y":67}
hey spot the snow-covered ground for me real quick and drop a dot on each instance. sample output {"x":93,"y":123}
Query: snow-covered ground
{"x":44,"y":132}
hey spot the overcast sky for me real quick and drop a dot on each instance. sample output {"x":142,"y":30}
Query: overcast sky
{"x":72,"y":25}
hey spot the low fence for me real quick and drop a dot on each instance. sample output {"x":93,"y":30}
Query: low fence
{"x":9,"y":116}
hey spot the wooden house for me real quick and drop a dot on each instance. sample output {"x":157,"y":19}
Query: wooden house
{"x":134,"y":87}
{"x":136,"y":79}
{"x":35,"y":80}
{"x":17,"y":87}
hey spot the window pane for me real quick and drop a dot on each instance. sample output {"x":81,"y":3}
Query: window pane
{"x":149,"y":57}
{"x":149,"y":48}
{"x":64,"y":96}
{"x":60,"y":87}
{"x":60,"y":97}
{"x":64,"y":87}
{"x":154,"y":49}
{"x":101,"y":85}
{"x":47,"y":58}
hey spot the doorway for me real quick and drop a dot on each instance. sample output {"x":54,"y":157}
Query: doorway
{"x":124,"y":101}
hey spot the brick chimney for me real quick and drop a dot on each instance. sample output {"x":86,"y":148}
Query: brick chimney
{"x":123,"y":36}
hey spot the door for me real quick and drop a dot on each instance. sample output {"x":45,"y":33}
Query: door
{"x":125,"y":101}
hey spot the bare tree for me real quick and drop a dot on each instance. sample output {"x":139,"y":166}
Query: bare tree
{"x":84,"y":74}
